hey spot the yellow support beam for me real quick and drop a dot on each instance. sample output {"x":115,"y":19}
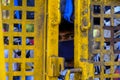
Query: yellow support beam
{"x":53,"y":27}
{"x":2,"y":59}
{"x":54,"y":63}
{"x":82,"y":25}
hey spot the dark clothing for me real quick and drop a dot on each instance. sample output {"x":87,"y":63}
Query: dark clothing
{"x":66,"y":49}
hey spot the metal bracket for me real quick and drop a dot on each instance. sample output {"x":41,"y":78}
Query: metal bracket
{"x":87,"y":70}
{"x":56,"y":65}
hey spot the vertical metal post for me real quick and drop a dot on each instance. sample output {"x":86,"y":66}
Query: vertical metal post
{"x":2,"y":59}
{"x":82,"y":25}
{"x":53,"y":62}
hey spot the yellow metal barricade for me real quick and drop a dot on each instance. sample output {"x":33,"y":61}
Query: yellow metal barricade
{"x":104,"y":38}
{"x":30,"y":32}
{"x":22,"y":27}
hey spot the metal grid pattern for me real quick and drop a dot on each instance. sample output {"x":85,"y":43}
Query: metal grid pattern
{"x":105,"y":39}
{"x":22,"y":29}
